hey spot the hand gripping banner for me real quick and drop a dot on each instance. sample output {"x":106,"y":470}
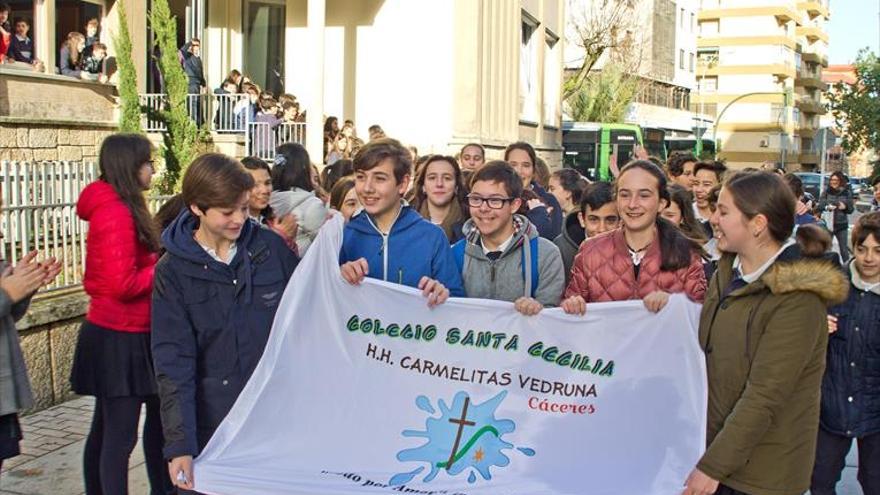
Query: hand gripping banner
{"x":365,"y":390}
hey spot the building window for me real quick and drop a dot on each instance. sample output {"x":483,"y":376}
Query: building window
{"x":552,"y":75}
{"x":693,"y":22}
{"x":681,"y":18}
{"x":709,"y":28}
{"x":73,"y":15}
{"x":708,"y":84}
{"x":21,"y":9}
{"x":692,"y":62}
{"x":681,"y":59}
{"x":528,"y":69}
{"x":264,"y":44}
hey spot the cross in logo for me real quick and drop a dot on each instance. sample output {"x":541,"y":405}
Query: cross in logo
{"x":461,"y":422}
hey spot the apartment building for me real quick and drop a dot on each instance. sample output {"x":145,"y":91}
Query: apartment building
{"x":759,"y":73}
{"x":660,"y":38}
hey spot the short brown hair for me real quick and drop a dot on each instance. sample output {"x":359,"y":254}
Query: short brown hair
{"x":499,"y":171}
{"x":214,"y":180}
{"x":718,"y":168}
{"x":93,"y":22}
{"x":379,"y":150}
{"x":867,"y":225}
{"x":764,"y":193}
{"x":813,"y":240}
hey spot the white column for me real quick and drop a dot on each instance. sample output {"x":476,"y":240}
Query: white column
{"x":44,"y":25}
{"x":315,"y":69}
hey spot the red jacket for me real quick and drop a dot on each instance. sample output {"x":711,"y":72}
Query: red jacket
{"x":603,"y":271}
{"x":119,"y":268}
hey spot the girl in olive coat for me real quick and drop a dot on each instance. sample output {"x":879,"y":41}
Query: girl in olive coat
{"x":763,"y":329}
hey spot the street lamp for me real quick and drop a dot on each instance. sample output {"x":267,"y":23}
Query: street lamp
{"x":786,"y":97}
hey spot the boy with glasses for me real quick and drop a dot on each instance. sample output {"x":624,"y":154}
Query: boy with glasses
{"x":502,"y":256}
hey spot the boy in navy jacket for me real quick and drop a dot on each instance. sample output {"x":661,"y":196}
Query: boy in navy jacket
{"x":215,"y":294}
{"x":387,"y":239}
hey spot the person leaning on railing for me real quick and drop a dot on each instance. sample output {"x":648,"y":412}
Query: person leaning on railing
{"x":21,"y":49}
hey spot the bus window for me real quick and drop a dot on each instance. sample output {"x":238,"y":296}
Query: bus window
{"x":581,"y":158}
{"x":654,"y":142}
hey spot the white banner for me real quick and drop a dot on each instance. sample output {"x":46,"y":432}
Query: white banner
{"x":364,"y":390}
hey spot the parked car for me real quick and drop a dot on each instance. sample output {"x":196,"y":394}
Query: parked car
{"x":812,"y":182}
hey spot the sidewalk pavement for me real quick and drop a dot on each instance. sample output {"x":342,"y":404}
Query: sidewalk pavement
{"x":51,"y":456}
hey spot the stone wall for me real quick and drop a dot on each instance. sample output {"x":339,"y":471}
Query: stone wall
{"x":48,"y":338}
{"x":30,"y":140}
{"x":50,"y":117}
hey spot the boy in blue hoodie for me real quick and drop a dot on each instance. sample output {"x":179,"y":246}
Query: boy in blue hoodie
{"x":388,"y":240}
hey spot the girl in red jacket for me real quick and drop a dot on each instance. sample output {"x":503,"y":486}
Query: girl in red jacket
{"x":112,"y":360}
{"x":648,"y":258}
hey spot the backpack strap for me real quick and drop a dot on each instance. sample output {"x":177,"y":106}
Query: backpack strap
{"x":532,"y":262}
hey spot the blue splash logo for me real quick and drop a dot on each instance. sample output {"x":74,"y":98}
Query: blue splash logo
{"x":465,"y":437}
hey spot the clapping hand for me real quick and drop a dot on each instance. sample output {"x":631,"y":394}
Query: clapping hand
{"x":27,"y":276}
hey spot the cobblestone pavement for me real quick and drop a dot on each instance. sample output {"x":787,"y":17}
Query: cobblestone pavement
{"x":51,"y":456}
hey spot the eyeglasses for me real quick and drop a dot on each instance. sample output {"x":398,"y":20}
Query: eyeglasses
{"x":494,"y":203}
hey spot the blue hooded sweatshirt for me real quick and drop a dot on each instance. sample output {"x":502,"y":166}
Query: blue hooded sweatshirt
{"x":414,"y":248}
{"x":210,"y":325}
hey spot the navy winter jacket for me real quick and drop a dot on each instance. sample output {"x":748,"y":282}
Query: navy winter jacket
{"x":552,"y":229}
{"x":850,"y":391}
{"x":414,"y":248}
{"x":210,"y":325}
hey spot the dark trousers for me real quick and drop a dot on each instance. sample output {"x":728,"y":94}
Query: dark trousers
{"x":843,"y":240}
{"x":831,"y":453}
{"x":726,"y":490}
{"x":111,"y":440}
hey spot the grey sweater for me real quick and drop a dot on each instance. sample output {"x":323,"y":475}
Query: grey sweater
{"x":503,"y":279}
{"x":15,"y":389}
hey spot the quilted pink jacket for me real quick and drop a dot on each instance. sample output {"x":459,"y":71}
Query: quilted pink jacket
{"x":603,"y":271}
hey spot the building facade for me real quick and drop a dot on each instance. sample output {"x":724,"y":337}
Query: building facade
{"x":435,"y":74}
{"x":658,"y":39}
{"x":759,"y":67}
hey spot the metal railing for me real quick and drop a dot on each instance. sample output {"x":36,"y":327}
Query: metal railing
{"x":39,"y":214}
{"x":218,"y":112}
{"x":262,"y":138}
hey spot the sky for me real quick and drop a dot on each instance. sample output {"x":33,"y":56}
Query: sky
{"x":854,"y":24}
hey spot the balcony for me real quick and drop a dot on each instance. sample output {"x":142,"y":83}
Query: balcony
{"x":807,"y":132}
{"x":812,"y":33}
{"x":814,"y":8}
{"x":783,"y":13}
{"x":809,"y":158}
{"x":815,"y":58}
{"x":228,"y":118}
{"x":812,"y":80}
{"x":810,"y":106}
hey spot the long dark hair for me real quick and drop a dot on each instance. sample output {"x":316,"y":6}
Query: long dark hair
{"x":293,"y":168}
{"x":676,"y":250}
{"x":419,"y":199}
{"x":684,"y":199}
{"x":120,"y":160}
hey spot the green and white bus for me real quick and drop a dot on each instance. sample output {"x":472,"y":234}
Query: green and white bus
{"x":590,"y":146}
{"x":702,"y":149}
